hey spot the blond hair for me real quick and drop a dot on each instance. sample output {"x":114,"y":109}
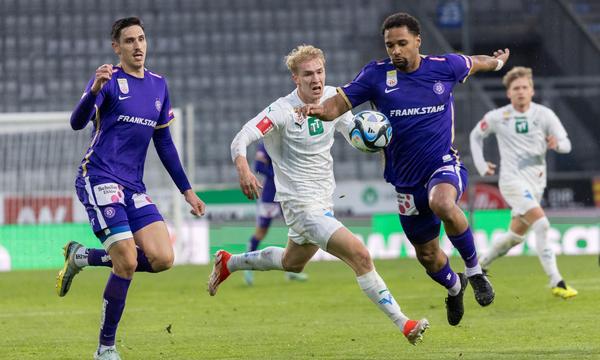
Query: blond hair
{"x":301,"y":54}
{"x":516,"y":73}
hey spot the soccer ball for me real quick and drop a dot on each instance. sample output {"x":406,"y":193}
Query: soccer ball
{"x":371,"y":131}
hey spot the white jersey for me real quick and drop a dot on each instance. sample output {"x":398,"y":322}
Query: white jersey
{"x":521,"y":141}
{"x":300,"y":149}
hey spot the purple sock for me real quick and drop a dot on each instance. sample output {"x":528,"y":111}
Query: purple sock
{"x":445,"y":277}
{"x":465,"y":244}
{"x":99,"y":257}
{"x":253,"y":244}
{"x":112,"y":307}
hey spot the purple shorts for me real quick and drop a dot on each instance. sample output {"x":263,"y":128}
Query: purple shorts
{"x":115,"y":212}
{"x":419,"y":222}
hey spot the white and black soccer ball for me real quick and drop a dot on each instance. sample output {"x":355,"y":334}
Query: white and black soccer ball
{"x":371,"y":131}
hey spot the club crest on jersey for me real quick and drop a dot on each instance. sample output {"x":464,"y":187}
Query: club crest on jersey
{"x":123,"y":85}
{"x":391,"y":78}
{"x":158,"y":104}
{"x":439,"y":88}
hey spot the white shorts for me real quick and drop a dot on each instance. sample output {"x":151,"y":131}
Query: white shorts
{"x":268,"y":209}
{"x":310,"y":224}
{"x":521,"y":196}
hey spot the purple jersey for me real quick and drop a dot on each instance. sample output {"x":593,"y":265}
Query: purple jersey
{"x":128,"y":111}
{"x":420,"y":107}
{"x":264,"y":166}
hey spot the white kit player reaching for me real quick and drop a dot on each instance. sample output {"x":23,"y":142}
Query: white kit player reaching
{"x":525,"y":131}
{"x":300,"y":152}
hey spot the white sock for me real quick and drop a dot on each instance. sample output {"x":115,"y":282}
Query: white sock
{"x":268,"y":258}
{"x":103,"y":348}
{"x":545,"y":252}
{"x":470,"y":271}
{"x":506,"y":242}
{"x":81,"y":257}
{"x":374,"y":287}
{"x":455,"y":289}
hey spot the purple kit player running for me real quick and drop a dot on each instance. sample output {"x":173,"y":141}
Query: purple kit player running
{"x":266,"y":210}
{"x":415,"y":92}
{"x":129,"y":106}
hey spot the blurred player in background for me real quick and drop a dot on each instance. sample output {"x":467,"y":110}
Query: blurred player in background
{"x":525,"y":131}
{"x":129,"y":106}
{"x":266,"y":210}
{"x":301,"y":153}
{"x":415,"y":92}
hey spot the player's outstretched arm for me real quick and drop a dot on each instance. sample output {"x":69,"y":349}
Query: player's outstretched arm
{"x":248,"y":182}
{"x":490,"y":63}
{"x":329,"y":110}
{"x":483,"y":167}
{"x":84,"y":111}
{"x":198,"y":206}
{"x":167,"y":153}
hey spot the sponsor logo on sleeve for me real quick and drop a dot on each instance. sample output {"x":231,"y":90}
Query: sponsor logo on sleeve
{"x":265,"y":125}
{"x":483,"y":125}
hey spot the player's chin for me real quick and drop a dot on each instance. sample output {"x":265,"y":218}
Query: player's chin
{"x":400,"y":64}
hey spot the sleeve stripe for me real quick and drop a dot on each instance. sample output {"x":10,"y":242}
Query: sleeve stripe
{"x":468,"y":61}
{"x":343,"y":94}
{"x":164,"y":125}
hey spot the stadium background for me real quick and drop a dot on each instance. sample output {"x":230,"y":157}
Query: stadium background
{"x":224,"y":62}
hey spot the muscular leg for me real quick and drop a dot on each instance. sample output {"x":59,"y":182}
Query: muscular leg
{"x":540,"y":225}
{"x":442,"y":201}
{"x":154,"y":251}
{"x":347,"y":247}
{"x":437,"y":265}
{"x":124,"y":257}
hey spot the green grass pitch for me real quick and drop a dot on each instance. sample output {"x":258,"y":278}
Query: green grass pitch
{"x":171,"y":316}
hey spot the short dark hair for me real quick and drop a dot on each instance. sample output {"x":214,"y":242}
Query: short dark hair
{"x":121,"y":24}
{"x":399,"y":20}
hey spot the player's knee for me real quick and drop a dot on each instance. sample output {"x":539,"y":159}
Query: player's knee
{"x":442,"y":206}
{"x":292,"y":267}
{"x":125,"y":267}
{"x":427,"y":257}
{"x":163,"y":263}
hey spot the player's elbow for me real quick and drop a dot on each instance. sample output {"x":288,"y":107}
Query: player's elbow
{"x":76,"y":124}
{"x":564,"y":146}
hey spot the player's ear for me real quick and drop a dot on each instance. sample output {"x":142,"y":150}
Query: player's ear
{"x":418,"y":41}
{"x":116,"y":48}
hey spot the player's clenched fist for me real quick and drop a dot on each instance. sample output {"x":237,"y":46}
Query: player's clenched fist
{"x":103,"y":74}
